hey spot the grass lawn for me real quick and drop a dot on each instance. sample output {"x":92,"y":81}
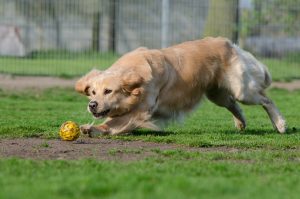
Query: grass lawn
{"x":283,"y":70}
{"x":53,"y":65}
{"x":265,"y":166}
{"x":259,"y":174}
{"x":70,"y":65}
{"x":31,"y":114}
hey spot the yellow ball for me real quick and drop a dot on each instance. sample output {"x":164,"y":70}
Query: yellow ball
{"x":69,"y":131}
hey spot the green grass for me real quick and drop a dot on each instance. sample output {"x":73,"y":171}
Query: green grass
{"x":66,"y":64}
{"x":53,"y":65}
{"x":248,"y":174}
{"x":32,"y":114}
{"x":283,"y":70}
{"x":266,"y":164}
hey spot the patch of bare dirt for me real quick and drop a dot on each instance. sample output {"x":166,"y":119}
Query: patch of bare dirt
{"x":12,"y":82}
{"x":89,"y":148}
{"x":290,"y":86}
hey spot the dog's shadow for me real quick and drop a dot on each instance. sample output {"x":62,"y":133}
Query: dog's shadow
{"x":260,"y":132}
{"x":289,"y":131}
{"x":152,"y":133}
{"x":256,"y":132}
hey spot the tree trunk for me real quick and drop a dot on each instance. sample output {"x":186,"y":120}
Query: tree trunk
{"x":222,"y":19}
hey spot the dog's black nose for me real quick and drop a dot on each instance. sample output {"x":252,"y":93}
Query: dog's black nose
{"x":93,"y":104}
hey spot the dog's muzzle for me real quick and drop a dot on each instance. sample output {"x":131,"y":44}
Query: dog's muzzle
{"x":93,"y":105}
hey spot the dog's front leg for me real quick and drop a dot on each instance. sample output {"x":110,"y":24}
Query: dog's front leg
{"x":120,"y":125}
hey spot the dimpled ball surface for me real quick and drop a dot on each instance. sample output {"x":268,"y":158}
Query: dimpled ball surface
{"x":69,"y":131}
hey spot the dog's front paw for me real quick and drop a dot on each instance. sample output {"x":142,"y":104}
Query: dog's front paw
{"x":85,"y":129}
{"x":94,"y":131}
{"x":90,"y":130}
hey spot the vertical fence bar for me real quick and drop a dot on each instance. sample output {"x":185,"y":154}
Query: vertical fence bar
{"x":237,"y":23}
{"x":165,"y":23}
{"x":112,"y":25}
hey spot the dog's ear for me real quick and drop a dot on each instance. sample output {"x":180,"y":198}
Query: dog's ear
{"x":131,"y":83}
{"x":82,"y":85}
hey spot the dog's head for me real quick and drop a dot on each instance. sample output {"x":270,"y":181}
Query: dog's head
{"x":111,"y":94}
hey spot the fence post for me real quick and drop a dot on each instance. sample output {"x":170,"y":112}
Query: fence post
{"x":237,"y":23}
{"x":96,"y":31}
{"x":112,"y":25}
{"x":165,"y":23}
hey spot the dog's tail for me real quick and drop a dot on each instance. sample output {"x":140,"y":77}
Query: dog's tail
{"x":258,"y":70}
{"x":268,"y":78}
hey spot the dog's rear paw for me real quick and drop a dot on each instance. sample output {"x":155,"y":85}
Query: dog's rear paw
{"x":240,"y":125}
{"x":281,"y":126}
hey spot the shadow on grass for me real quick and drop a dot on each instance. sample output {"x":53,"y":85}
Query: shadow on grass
{"x":249,"y":131}
{"x":292,"y":130}
{"x":154,"y":133}
{"x":258,"y":132}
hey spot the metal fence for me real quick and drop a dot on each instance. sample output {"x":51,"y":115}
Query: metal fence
{"x":62,"y":28}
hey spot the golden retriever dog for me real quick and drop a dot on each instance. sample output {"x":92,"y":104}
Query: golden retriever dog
{"x":150,"y":85}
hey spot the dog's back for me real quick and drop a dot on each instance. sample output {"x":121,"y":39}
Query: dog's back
{"x":193,"y":68}
{"x":200,"y":66}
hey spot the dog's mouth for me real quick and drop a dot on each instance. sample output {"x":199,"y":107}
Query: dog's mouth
{"x":101,"y":114}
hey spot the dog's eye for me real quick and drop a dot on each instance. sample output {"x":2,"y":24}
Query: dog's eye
{"x":93,"y":92}
{"x":107,"y":91}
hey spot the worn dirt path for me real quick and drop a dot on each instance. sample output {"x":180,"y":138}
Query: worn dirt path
{"x":89,"y":148}
{"x":9,"y":82}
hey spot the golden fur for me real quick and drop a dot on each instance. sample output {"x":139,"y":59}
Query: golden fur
{"x":148,"y":85}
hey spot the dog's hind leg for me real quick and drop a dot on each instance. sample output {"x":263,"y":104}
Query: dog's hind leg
{"x":259,"y":98}
{"x":223,"y":98}
{"x":238,"y":116}
{"x":273,"y":113}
